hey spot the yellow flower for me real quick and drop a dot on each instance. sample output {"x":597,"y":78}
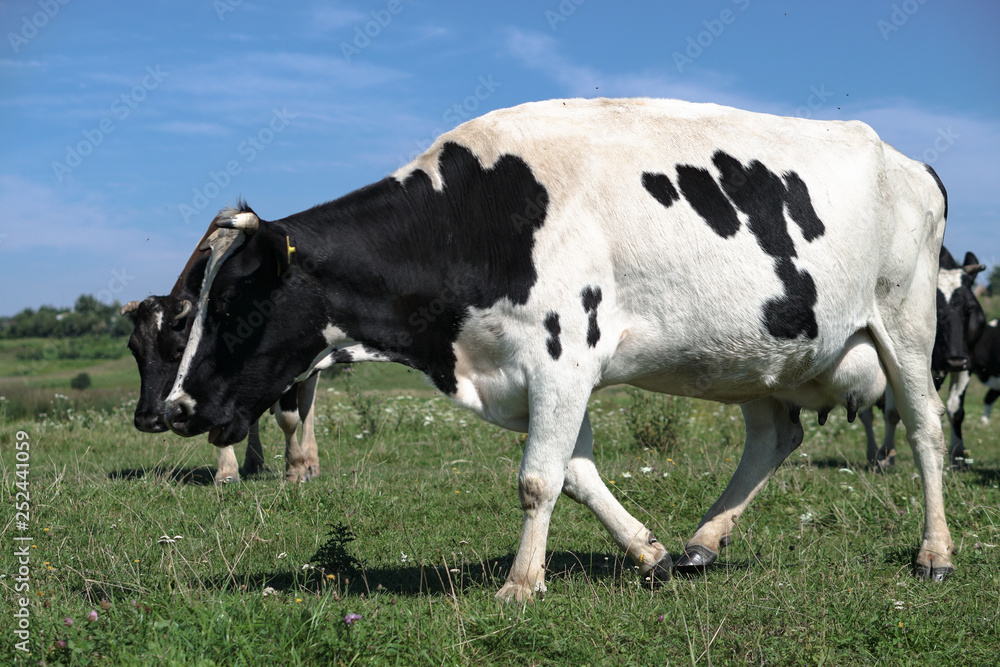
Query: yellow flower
{"x":298,"y":600}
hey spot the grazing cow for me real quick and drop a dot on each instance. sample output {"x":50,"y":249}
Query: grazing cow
{"x":539,"y":252}
{"x":986,"y":365}
{"x":160,"y":332}
{"x":960,"y":323}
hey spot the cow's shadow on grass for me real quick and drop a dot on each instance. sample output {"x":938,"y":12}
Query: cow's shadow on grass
{"x":984,"y":476}
{"x":197,"y":475}
{"x":442,"y":580}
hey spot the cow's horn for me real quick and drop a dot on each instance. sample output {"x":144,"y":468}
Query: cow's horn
{"x":246,"y":221}
{"x":973,"y":269}
{"x":130,"y":307}
{"x":186,"y":307}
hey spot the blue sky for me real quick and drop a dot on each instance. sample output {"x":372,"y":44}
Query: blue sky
{"x":126,"y":126}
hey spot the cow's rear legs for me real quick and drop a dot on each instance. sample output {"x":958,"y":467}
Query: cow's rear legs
{"x":771,"y":436}
{"x":991,"y":396}
{"x":881,"y":458}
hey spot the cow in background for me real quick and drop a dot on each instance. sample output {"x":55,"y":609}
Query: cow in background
{"x":160,"y":332}
{"x":960,"y":324}
{"x":986,"y":365}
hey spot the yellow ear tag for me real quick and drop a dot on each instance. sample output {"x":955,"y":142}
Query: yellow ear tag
{"x":289,"y":248}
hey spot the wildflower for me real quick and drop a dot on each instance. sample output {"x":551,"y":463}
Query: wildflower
{"x":351,"y":618}
{"x":298,"y":600}
{"x":403,"y":556}
{"x":105,"y":605}
{"x":626,"y":475}
{"x":92,"y":616}
{"x":806,"y":518}
{"x":61,"y":643}
{"x":68,"y":622}
{"x":166,"y":539}
{"x":645,"y":470}
{"x":268,"y":591}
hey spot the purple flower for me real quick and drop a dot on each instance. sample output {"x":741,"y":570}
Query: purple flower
{"x":61,"y":643}
{"x":92,"y":616}
{"x":68,"y":622}
{"x":351,"y":618}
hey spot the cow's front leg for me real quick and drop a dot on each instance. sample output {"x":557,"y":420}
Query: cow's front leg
{"x":286,"y":414}
{"x":307,"y":415}
{"x":228,"y":470}
{"x":771,"y":437}
{"x":553,"y":425}
{"x":584,"y":485}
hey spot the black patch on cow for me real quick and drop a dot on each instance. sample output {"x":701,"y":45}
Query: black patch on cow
{"x":705,"y":197}
{"x":792,"y":314}
{"x":398,"y":266}
{"x":944,"y":193}
{"x":764,"y":197}
{"x":591,"y":298}
{"x":660,"y":187}
{"x":800,"y":207}
{"x":552,"y":343}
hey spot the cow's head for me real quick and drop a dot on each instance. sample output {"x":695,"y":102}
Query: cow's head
{"x":960,"y":319}
{"x":260,"y":324}
{"x":160,"y":332}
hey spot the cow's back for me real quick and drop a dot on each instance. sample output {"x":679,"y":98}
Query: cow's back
{"x":735,"y":251}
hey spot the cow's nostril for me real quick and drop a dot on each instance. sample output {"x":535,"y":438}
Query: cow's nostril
{"x":177,"y":414}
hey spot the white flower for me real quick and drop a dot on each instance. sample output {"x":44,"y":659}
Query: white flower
{"x":806,"y":517}
{"x":268,"y":591}
{"x":626,"y":475}
{"x":646,"y":470}
{"x":403,"y":556}
{"x":166,"y":539}
{"x":359,"y":436}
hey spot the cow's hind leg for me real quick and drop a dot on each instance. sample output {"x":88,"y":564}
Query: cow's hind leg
{"x":253,"y":461}
{"x":307,"y":415}
{"x":921,"y":409}
{"x":886,"y":455}
{"x":584,"y":485}
{"x":771,"y":436}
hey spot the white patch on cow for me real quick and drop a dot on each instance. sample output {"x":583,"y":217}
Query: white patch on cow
{"x":159,"y":320}
{"x":222,"y":242}
{"x":949,"y":281}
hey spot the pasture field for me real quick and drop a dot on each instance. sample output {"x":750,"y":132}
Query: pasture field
{"x":135,"y":558}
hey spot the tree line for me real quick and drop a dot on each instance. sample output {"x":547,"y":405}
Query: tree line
{"x":88,"y":317}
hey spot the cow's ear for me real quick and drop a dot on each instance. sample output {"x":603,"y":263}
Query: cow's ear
{"x":946,"y":261}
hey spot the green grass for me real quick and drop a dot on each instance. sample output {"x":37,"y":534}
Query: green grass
{"x":818,"y":572}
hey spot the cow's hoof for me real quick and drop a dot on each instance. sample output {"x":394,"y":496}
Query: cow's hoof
{"x":661,"y":569}
{"x":695,"y":559}
{"x":517,"y":593}
{"x":933,"y":573}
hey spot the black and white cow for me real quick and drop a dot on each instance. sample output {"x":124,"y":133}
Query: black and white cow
{"x":960,"y":323}
{"x":161,"y":325}
{"x":539,"y":252}
{"x":986,"y":365}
